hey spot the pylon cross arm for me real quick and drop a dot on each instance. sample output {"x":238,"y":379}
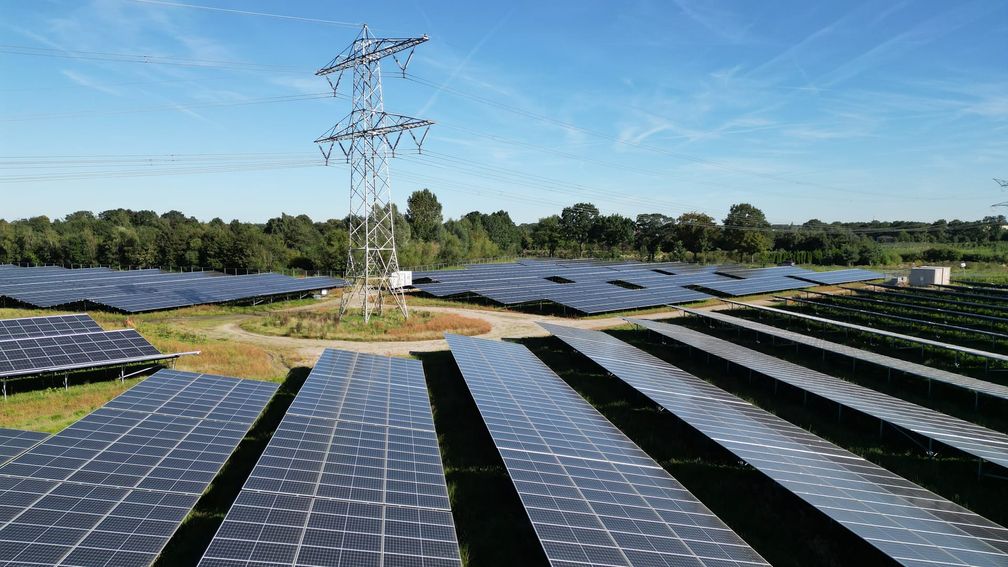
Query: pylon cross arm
{"x":387,"y":124}
{"x":368,"y":51}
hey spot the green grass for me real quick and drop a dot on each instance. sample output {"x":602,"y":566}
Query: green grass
{"x":51,"y":409}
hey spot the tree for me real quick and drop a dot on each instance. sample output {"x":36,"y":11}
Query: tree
{"x":613,"y":231}
{"x":697,"y":232}
{"x":423,"y":213}
{"x":577,"y":221}
{"x":650,"y":232}
{"x":502,"y":231}
{"x":747,"y":230}
{"x":547,"y":234}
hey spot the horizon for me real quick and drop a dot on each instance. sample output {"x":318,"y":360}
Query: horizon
{"x":838,"y":113}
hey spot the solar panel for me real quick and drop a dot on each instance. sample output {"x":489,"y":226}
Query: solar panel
{"x":972,"y":439}
{"x":593,"y":496}
{"x":22,"y":357}
{"x":859,"y":298}
{"x":906,"y":522}
{"x":27,"y":327}
{"x":936,"y":374}
{"x":884,"y":315}
{"x":755,"y":285}
{"x":13,"y":442}
{"x":592,"y":287}
{"x":880,"y":332}
{"x":839,"y":276}
{"x":889,"y":293}
{"x":352,"y":476}
{"x":134,"y":291}
{"x":113,"y":487}
{"x":995,"y":299}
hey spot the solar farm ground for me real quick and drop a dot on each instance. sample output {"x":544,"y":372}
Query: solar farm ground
{"x":775,"y":523}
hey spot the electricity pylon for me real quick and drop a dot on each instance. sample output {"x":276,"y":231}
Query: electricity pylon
{"x":368,"y":136}
{"x":1004,"y":185}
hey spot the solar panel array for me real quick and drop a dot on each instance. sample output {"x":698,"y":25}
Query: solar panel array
{"x":352,"y":477}
{"x":931,"y":301}
{"x":936,"y":374}
{"x":596,"y":287}
{"x":112,"y":488}
{"x":50,"y":326}
{"x":13,"y":442}
{"x":904,"y":521}
{"x":135,"y":291}
{"x":593,"y":496}
{"x":994,"y":300}
{"x":826,"y":304}
{"x":37,"y":345}
{"x":972,"y":439}
{"x":879,"y":332}
{"x":836,"y":277}
{"x":862,"y":298}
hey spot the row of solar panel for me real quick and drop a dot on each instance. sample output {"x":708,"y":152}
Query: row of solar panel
{"x":112,"y":488}
{"x":37,"y":345}
{"x":591,"y":288}
{"x":353,"y":474}
{"x":137,"y":291}
{"x":905,"y":522}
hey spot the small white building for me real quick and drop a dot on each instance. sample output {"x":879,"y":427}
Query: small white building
{"x":401,"y":279}
{"x":930,"y":275}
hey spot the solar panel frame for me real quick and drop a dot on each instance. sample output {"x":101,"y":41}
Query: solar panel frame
{"x":592,"y":495}
{"x":906,"y":522}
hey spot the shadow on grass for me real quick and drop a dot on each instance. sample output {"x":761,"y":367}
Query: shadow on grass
{"x":194,"y":535}
{"x":779,"y":525}
{"x":492,"y":526}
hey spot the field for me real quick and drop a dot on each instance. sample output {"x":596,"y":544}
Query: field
{"x":279,"y":342}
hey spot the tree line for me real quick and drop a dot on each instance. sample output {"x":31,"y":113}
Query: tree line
{"x":127,"y":238}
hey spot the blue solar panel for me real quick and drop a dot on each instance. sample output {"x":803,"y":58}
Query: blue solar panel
{"x":593,"y":496}
{"x":909,"y":524}
{"x":136,"y":291}
{"x":13,"y":442}
{"x":113,"y":487}
{"x":352,"y":477}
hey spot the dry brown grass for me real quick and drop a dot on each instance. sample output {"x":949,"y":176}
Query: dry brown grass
{"x":224,"y":357}
{"x":326,"y":325}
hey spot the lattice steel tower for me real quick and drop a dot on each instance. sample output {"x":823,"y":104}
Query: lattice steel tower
{"x":1004,"y":185}
{"x":368,"y":137}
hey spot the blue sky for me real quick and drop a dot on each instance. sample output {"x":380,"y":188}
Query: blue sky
{"x":832,"y":110}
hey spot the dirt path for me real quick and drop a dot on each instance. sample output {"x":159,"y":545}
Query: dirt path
{"x":503,"y":324}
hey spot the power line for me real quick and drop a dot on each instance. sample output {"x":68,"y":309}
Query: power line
{"x":249,"y":13}
{"x":142,"y":58}
{"x":183,"y":107}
